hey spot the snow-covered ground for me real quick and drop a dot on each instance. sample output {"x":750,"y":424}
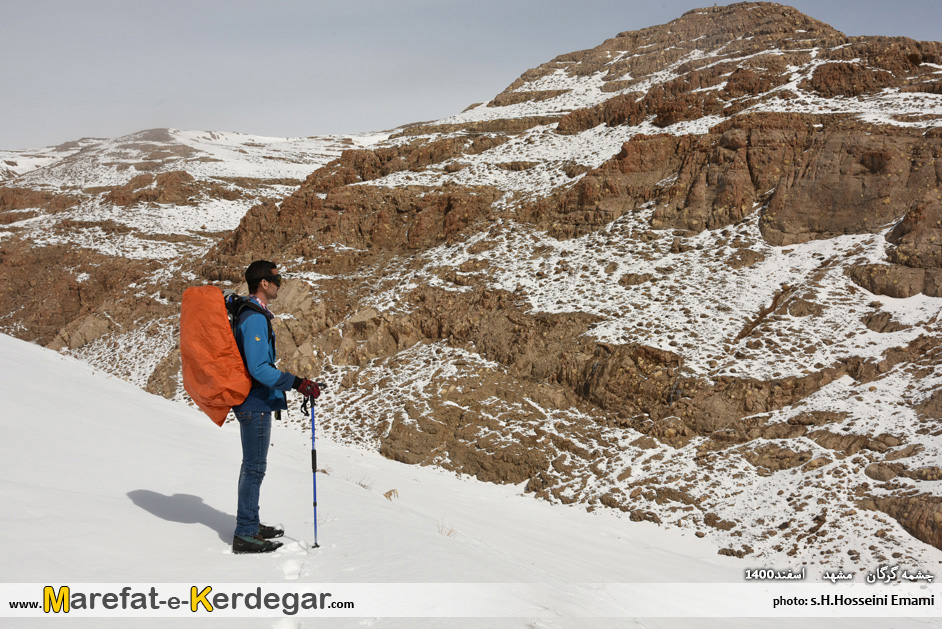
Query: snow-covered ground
{"x":251,"y":167}
{"x":203,"y":154}
{"x":104,"y":483}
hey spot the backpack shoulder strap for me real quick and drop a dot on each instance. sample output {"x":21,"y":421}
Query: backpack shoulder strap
{"x":244,"y":303}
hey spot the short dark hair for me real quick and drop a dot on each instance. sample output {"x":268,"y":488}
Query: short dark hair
{"x":258,"y":271}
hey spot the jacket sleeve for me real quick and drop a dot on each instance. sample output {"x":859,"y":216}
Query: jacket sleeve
{"x":258,"y":359}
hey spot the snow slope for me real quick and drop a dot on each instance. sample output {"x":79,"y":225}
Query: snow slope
{"x":104,"y":483}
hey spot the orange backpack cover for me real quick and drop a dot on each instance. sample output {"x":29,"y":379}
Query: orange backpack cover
{"x":213,"y":372}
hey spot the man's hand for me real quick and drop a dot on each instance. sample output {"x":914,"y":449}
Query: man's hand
{"x":307,"y":388}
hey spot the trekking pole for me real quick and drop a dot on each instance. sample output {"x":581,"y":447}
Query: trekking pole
{"x":308,"y":400}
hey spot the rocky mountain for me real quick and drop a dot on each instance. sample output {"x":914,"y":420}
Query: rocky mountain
{"x":693,"y":274}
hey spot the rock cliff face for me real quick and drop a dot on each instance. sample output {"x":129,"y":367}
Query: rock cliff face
{"x":693,"y":274}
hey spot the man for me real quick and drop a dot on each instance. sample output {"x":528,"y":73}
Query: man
{"x":256,"y":343}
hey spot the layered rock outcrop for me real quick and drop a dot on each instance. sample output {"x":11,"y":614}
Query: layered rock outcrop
{"x":812,"y":176}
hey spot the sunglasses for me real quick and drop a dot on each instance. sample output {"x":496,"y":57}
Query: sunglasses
{"x":274,"y":279}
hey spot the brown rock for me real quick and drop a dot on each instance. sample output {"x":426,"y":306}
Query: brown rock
{"x":883,"y":322}
{"x":851,"y":183}
{"x":358,"y":165}
{"x":504,"y":125}
{"x":803,"y":308}
{"x":24,"y":198}
{"x":512,"y":98}
{"x":880,"y":472}
{"x":920,"y":515}
{"x":918,"y":237}
{"x":848,"y":79}
{"x":744,"y":258}
{"x":898,"y":281}
{"x":713,"y":520}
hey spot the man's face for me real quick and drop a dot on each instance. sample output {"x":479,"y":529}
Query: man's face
{"x":269,"y":288}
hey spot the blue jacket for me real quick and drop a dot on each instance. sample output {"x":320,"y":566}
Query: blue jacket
{"x":258,"y":352}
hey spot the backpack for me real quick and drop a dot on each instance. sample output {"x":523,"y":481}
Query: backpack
{"x":214,"y":373}
{"x":236,"y":304}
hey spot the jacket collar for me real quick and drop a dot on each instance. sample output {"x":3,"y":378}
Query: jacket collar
{"x":268,"y":312}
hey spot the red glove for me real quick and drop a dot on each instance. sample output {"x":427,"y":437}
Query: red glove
{"x":307,"y":388}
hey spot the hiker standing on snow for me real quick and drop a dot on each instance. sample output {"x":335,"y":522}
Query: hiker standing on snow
{"x":256,"y":341}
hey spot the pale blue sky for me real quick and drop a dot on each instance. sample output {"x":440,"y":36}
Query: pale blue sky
{"x":290,"y":68}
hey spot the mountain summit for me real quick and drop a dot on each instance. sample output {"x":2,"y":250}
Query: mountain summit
{"x":693,"y":274}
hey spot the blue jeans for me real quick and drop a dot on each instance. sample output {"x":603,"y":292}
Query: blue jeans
{"x":256,"y":437}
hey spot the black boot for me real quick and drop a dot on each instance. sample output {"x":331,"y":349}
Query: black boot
{"x":253,"y":544}
{"x":270,"y":532}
